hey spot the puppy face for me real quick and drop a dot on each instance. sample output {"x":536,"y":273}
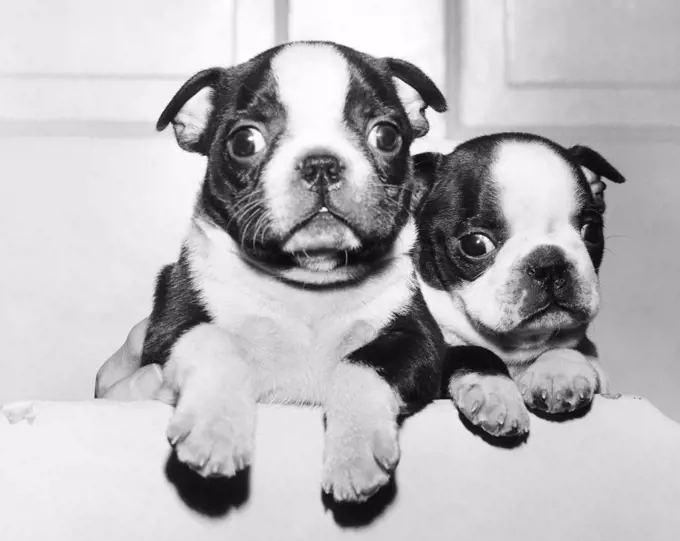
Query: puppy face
{"x":308,"y":155}
{"x":512,"y":231}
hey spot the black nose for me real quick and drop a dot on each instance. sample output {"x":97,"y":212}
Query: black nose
{"x":319,"y":170}
{"x":548,"y":266}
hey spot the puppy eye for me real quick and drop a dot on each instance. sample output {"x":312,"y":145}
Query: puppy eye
{"x":245,"y":143}
{"x":384,"y":137}
{"x":592,"y":233}
{"x":476,"y":245}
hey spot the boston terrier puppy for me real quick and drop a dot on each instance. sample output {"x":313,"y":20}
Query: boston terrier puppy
{"x":295,"y":282}
{"x":511,"y":241}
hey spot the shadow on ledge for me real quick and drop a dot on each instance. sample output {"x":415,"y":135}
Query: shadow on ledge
{"x":506,"y":442}
{"x":356,"y":515}
{"x":214,"y":496}
{"x":562,"y":417}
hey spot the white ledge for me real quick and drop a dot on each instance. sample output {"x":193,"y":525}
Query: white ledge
{"x":99,"y":470}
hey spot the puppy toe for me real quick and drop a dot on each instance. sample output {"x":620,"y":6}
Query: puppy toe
{"x":583,"y":391}
{"x":537,"y":396}
{"x":357,"y":463}
{"x":193,"y":451}
{"x":213,"y":444}
{"x":180,"y":427}
{"x":354,"y":481}
{"x":228,"y":456}
{"x":386,"y":448}
{"x":560,"y":381}
{"x":493,"y":403}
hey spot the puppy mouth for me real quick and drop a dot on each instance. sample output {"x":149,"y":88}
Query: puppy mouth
{"x":322,"y":237}
{"x":553,"y":316}
{"x":551,"y":323}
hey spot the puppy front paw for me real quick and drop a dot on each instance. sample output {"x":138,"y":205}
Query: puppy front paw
{"x":215,"y":442}
{"x":559,"y":381}
{"x":492,"y":402}
{"x":358,"y":461}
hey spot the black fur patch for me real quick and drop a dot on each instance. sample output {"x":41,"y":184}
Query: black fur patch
{"x":462,"y":200}
{"x":408,"y":354}
{"x":176,"y":310}
{"x":461,"y":360}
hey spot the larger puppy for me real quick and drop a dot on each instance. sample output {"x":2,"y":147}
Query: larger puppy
{"x":511,"y":242}
{"x":295,"y":282}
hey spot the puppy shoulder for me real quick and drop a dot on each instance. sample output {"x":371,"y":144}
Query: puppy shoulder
{"x":408,"y":351}
{"x":177,"y":308}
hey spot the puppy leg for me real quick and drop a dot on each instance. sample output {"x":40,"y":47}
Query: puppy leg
{"x":483,"y":391}
{"x":213,"y":426}
{"x":361,"y":445}
{"x":589,"y":350}
{"x":559,"y":381}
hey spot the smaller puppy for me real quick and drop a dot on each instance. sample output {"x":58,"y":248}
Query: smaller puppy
{"x":510,"y":245}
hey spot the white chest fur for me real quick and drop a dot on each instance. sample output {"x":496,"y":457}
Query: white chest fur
{"x":291,"y":337}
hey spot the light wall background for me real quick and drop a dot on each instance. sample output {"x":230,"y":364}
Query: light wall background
{"x":93,"y":201}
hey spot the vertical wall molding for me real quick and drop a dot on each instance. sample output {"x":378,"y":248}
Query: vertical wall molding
{"x":495,"y":82}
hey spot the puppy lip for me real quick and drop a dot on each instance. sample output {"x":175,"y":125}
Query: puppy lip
{"x":323,"y":234}
{"x":322,"y":212}
{"x":317,"y":252}
{"x":553,"y":315}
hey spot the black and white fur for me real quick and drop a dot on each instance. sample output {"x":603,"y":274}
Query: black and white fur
{"x":295,"y":282}
{"x":511,"y":242}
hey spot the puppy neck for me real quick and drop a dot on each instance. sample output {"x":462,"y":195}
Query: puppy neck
{"x":211,"y":248}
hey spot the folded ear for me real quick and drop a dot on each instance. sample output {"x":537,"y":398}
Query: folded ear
{"x":190,"y":109}
{"x":425,"y":166}
{"x":417,"y":92}
{"x":595,"y":167}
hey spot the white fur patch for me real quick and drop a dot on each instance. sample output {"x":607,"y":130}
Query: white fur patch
{"x":537,"y":188}
{"x":313,"y":81}
{"x":290,"y":337}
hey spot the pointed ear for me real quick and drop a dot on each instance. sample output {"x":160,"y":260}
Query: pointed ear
{"x":595,"y":167}
{"x":190,"y":109}
{"x":425,"y":167}
{"x":417,"y":92}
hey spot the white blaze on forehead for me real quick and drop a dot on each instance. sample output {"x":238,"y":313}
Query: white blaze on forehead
{"x":313,"y":81}
{"x":537,"y":188}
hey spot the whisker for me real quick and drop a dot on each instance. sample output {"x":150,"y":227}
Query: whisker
{"x":247,"y":225}
{"x":249,"y":216}
{"x":260,"y":224}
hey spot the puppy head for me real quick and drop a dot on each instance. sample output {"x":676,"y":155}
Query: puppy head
{"x":512,"y":229}
{"x":308,"y":154}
